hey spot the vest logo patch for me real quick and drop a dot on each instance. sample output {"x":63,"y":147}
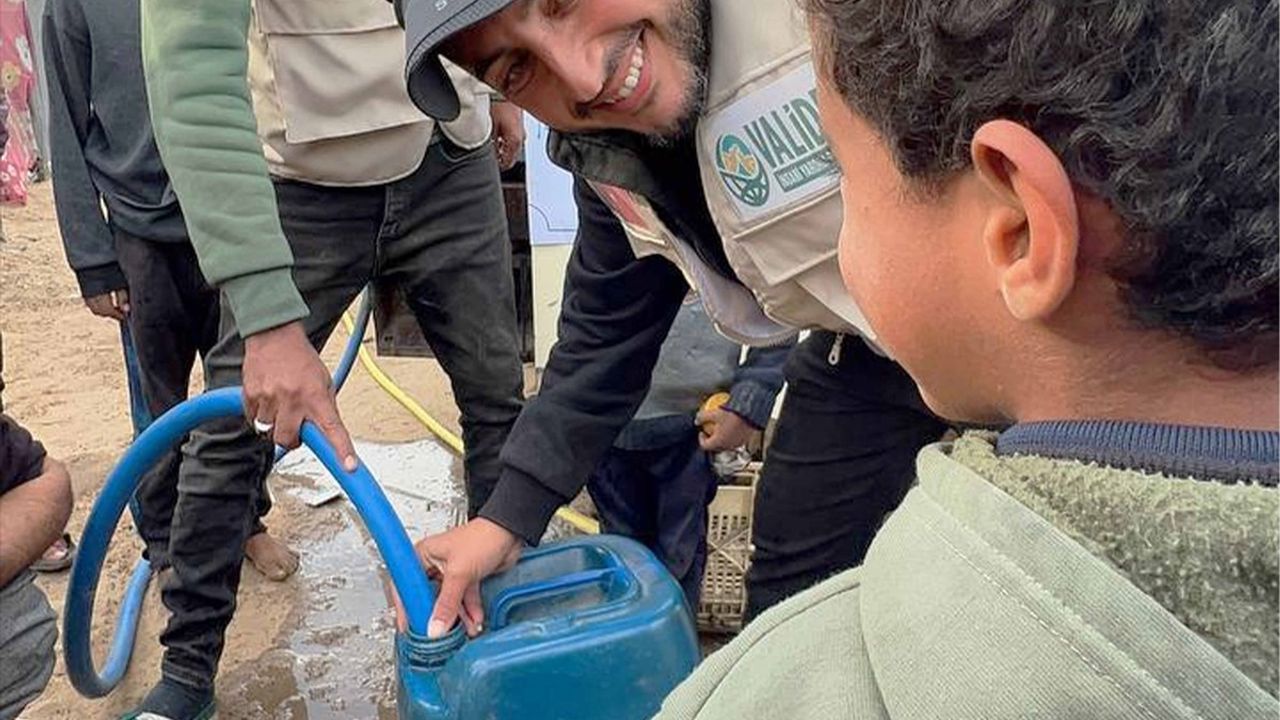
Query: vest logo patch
{"x":742,"y":171}
{"x":769,"y":148}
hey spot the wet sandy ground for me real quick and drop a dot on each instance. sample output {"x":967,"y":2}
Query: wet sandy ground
{"x":317,"y":646}
{"x":333,"y":658}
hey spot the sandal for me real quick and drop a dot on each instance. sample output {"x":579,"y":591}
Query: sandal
{"x":58,"y":557}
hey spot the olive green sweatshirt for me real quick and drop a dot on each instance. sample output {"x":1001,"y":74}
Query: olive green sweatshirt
{"x":1028,"y":587}
{"x":195,"y":55}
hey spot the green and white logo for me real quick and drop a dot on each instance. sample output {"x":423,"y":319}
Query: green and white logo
{"x":742,"y":171}
{"x":769,"y":148}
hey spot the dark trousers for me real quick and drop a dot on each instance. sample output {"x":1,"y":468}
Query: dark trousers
{"x":173,"y":319}
{"x":659,"y":497}
{"x":842,"y":458}
{"x":441,"y":234}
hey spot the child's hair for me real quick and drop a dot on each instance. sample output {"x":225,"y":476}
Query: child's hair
{"x":1164,"y":109}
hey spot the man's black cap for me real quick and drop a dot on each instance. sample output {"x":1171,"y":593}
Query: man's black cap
{"x":427,"y":24}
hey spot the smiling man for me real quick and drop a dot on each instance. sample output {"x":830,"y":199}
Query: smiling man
{"x":691,"y":127}
{"x":641,"y":66}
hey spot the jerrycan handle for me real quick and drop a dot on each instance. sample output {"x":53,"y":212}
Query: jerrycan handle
{"x":511,"y":599}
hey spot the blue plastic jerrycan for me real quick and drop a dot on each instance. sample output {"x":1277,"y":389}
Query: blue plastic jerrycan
{"x":592,"y":627}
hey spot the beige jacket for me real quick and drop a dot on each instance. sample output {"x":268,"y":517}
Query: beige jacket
{"x":327,"y":80}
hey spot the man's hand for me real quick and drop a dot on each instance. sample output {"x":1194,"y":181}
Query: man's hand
{"x":285,"y":383}
{"x":114,"y":304}
{"x":722,"y":430}
{"x":461,"y":558}
{"x":508,"y":132}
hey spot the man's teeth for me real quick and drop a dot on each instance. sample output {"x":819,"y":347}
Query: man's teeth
{"x":633,"y":75}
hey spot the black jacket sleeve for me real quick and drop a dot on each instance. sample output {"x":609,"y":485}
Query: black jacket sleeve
{"x":86,"y":236}
{"x":615,"y":315}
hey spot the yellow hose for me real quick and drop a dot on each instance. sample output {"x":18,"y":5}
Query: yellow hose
{"x":566,"y":513}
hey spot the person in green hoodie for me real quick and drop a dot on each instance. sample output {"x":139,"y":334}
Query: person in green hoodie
{"x":1060,"y":217}
{"x":305,"y":173}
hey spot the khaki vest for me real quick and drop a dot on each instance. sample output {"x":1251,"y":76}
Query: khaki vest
{"x":771,"y":183}
{"x":327,"y":80}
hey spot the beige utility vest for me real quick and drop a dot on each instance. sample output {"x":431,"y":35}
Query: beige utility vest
{"x":771,"y":184}
{"x":327,"y":80}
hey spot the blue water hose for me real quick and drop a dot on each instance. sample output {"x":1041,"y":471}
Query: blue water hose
{"x":117,"y":662}
{"x":360,"y":486}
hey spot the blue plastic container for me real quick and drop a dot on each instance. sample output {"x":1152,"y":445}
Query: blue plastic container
{"x":592,"y":627}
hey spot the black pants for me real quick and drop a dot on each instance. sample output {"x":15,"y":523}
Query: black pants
{"x":659,"y":497}
{"x":841,"y":460}
{"x":441,"y":234}
{"x":173,"y":319}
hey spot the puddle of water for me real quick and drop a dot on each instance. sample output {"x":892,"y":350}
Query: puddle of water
{"x":337,"y":661}
{"x":421,"y":479}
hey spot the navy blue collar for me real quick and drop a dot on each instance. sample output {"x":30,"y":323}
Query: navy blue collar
{"x":1206,"y":453}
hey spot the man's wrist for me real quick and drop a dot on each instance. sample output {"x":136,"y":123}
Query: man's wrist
{"x":264,"y":301}
{"x":522,"y":506}
{"x":100,"y":280}
{"x":752,"y":403}
{"x":498,"y":530}
{"x":292,"y":327}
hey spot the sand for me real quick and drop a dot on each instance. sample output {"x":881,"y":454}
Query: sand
{"x":65,"y":382}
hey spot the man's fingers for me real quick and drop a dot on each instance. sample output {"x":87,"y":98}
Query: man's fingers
{"x":331,"y":425}
{"x":707,"y":442}
{"x":260,"y":411}
{"x":448,"y":604}
{"x":288,"y":425}
{"x":473,"y":610}
{"x":103,"y":306}
{"x":122,"y":302}
{"x":250,"y":406}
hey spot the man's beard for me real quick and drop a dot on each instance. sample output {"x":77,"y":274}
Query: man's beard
{"x":691,"y":38}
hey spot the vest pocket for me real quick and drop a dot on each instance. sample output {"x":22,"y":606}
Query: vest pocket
{"x":792,"y":244}
{"x":313,"y":17}
{"x":327,"y":57}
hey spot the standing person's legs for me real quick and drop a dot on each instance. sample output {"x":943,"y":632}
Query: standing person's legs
{"x":173,"y":317}
{"x":842,"y":458}
{"x":658,"y":497}
{"x":625,"y":497}
{"x":686,"y":484}
{"x":447,"y":246}
{"x":331,"y":233}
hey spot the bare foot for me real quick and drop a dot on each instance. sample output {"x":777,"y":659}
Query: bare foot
{"x":272,"y":557}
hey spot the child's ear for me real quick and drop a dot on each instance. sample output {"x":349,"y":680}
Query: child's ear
{"x":1032,"y":234}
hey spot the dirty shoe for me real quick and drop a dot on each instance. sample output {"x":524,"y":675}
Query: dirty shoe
{"x":171,"y":700}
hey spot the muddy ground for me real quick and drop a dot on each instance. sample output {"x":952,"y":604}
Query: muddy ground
{"x":317,"y":646}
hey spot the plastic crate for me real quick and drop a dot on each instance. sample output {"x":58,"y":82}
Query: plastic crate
{"x":724,"y":592}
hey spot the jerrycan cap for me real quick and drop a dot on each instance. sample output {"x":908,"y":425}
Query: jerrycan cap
{"x":422,"y":652}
